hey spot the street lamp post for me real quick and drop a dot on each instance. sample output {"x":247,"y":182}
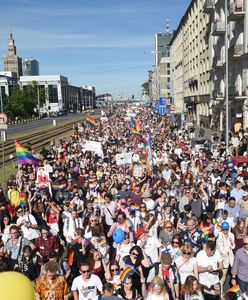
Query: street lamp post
{"x":226,"y":81}
{"x":38,"y":100}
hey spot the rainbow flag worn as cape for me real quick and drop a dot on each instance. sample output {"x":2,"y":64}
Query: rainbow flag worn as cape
{"x":23,"y":156}
{"x":126,"y":273}
{"x":91,"y":120}
{"x":138,"y":125}
{"x":236,"y":289}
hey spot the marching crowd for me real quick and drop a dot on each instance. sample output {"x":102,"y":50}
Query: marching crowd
{"x":145,"y":217}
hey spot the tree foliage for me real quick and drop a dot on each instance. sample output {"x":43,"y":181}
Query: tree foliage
{"x":22,"y":102}
{"x":145,"y":88}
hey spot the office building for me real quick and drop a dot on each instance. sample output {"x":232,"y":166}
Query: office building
{"x":30,"y":67}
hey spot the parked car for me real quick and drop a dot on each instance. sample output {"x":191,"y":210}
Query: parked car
{"x":62,"y":112}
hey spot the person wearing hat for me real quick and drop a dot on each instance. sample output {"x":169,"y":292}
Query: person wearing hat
{"x":243,"y":203}
{"x":150,"y":245}
{"x":225,"y":243}
{"x":168,"y":271}
{"x":150,"y":204}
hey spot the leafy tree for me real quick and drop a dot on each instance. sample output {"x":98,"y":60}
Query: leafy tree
{"x":145,"y":87}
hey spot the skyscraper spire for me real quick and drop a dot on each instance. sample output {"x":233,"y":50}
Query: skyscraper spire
{"x":11,"y":44}
{"x":168,"y":25}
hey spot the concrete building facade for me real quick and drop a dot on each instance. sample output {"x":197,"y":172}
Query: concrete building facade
{"x":190,"y":57}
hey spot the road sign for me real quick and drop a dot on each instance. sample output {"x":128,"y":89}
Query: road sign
{"x":3,"y":119}
{"x":3,"y":126}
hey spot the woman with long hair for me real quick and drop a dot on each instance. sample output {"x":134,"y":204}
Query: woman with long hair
{"x":97,"y":264}
{"x":239,"y":231}
{"x":186,"y":264}
{"x":175,"y":247}
{"x":123,"y":249}
{"x":5,"y":227}
{"x":128,"y":289}
{"x":157,"y":290}
{"x":206,"y":226}
{"x":112,"y":274}
{"x":192,"y":290}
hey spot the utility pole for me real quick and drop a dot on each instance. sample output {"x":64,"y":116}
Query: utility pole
{"x":227,"y":85}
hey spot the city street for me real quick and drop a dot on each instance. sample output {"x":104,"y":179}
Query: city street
{"x":24,"y":127}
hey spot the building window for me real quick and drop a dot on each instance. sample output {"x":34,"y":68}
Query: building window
{"x":53,"y":93}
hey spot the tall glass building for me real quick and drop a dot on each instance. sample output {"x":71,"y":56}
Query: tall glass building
{"x":30,"y":67}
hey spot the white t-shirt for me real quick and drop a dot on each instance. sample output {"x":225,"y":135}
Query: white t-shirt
{"x":204,"y":261}
{"x":151,"y":248}
{"x":28,"y":233}
{"x":123,"y":250}
{"x":185,"y":268}
{"x":87,"y":290}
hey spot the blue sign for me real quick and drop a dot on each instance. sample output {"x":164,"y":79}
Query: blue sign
{"x":162,"y":101}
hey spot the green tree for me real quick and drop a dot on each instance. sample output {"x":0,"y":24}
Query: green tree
{"x":145,"y":88}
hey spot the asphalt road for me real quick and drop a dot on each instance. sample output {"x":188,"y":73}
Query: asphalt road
{"x":25,"y":127}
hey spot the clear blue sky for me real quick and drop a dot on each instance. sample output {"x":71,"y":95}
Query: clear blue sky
{"x":92,"y":42}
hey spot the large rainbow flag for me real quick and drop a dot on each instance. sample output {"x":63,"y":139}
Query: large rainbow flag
{"x":23,"y":156}
{"x":160,"y":125}
{"x":91,"y":120}
{"x":149,"y":158}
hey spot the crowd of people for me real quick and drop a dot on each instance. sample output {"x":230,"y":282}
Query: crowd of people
{"x":128,"y":221}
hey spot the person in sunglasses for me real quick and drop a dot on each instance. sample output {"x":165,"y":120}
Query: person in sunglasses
{"x":186,"y":264}
{"x":137,"y":259}
{"x":87,"y":285}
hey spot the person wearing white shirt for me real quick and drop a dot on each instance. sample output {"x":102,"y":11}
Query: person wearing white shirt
{"x":210,"y":263}
{"x":70,"y":224}
{"x":28,"y":225}
{"x":86,"y":286}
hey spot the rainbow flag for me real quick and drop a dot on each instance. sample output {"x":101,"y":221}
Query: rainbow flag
{"x":149,"y":158}
{"x":160,"y":125}
{"x":135,"y":206}
{"x":91,"y":120}
{"x":23,"y":156}
{"x":41,"y":185}
{"x":55,"y":208}
{"x":128,"y":223}
{"x":138,"y":125}
{"x":22,"y":199}
{"x":99,"y":201}
{"x":103,"y":242}
{"x":126,"y":273}
{"x":58,"y":186}
{"x":135,"y":131}
{"x":236,"y":289}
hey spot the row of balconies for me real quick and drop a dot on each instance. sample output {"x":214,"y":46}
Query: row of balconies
{"x":236,"y":9}
{"x":233,"y":91}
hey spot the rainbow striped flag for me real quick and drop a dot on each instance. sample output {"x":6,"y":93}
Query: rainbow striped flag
{"x":22,"y":199}
{"x":138,"y":124}
{"x":99,"y":201}
{"x":55,"y":208}
{"x":23,"y":156}
{"x":126,"y":273}
{"x":58,"y":186}
{"x":135,"y":131}
{"x":91,"y":120}
{"x":149,"y":158}
{"x":160,"y":125}
{"x":103,"y":242}
{"x":236,"y":289}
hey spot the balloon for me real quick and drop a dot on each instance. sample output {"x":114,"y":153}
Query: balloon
{"x":75,"y":169}
{"x":16,"y":286}
{"x":118,"y":235}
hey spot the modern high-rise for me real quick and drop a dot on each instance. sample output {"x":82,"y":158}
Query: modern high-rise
{"x":30,"y":67}
{"x":12,"y":62}
{"x":159,"y":77}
